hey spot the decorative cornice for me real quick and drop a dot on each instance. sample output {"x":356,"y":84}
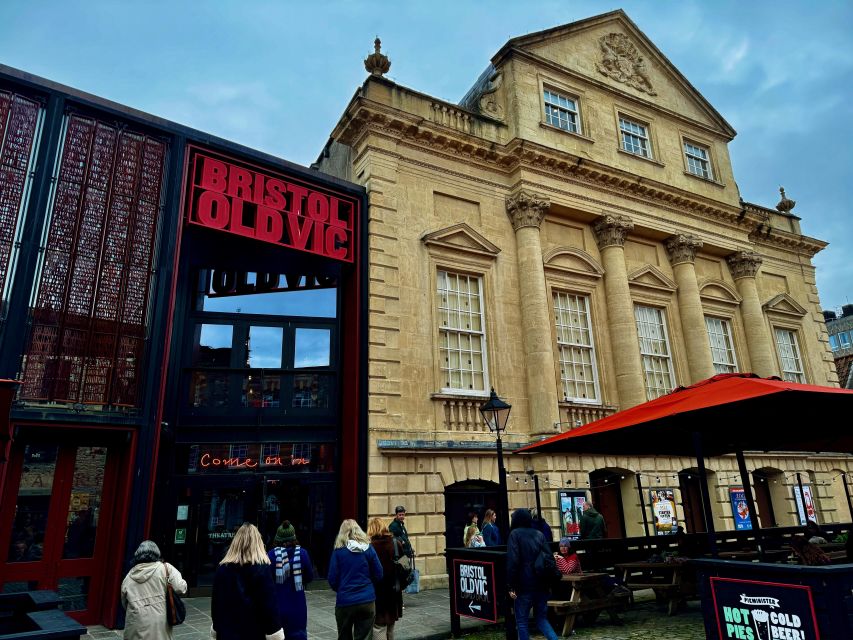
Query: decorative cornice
{"x":611,"y":230}
{"x":785,"y":305}
{"x":526,"y":209}
{"x":682,"y":247}
{"x":744,"y":264}
{"x":461,"y":237}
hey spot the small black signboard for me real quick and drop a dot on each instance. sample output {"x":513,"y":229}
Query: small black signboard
{"x":474,"y":590}
{"x":750,"y":610}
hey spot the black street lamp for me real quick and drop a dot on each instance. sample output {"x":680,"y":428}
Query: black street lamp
{"x":496,"y":414}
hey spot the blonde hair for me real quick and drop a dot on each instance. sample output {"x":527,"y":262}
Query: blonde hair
{"x":470,"y":532}
{"x":350,"y":531}
{"x":377,"y":527}
{"x":247,"y":547}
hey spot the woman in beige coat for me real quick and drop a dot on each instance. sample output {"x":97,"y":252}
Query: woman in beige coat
{"x":143,"y":594}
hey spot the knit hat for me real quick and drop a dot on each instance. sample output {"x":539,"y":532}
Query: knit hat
{"x":566,"y":542}
{"x":285,"y":533}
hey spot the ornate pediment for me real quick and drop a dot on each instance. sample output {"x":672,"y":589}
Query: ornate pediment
{"x":461,"y":238}
{"x":784,"y":304}
{"x":720,"y":292}
{"x":572,"y":261}
{"x":651,"y":277}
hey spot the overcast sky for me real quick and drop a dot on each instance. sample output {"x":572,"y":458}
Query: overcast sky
{"x":276,"y":76}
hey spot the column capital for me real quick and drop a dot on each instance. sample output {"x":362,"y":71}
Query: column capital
{"x":526,"y":209}
{"x":744,"y":264}
{"x":682,"y":247}
{"x":611,"y":230}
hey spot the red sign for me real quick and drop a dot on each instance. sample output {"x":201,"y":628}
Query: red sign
{"x":239,"y":198}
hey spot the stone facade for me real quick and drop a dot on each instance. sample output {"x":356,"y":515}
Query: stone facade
{"x":503,"y":195}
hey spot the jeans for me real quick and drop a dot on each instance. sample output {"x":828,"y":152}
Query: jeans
{"x":356,"y":621}
{"x":539,"y":601}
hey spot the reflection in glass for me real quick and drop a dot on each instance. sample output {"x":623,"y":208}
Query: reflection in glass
{"x":312,"y":348}
{"x":264,"y":349}
{"x":209,"y":389}
{"x":31,"y":507}
{"x":261,"y":391}
{"x":85,"y":502}
{"x":311,"y":391}
{"x":220,"y":515}
{"x":317,"y":303}
{"x":73,"y":593}
{"x":213,"y":345}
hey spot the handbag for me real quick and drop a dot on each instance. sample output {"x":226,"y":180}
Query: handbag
{"x":403,"y":567}
{"x":176,"y":611}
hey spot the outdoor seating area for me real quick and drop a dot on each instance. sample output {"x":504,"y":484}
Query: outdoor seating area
{"x":588,"y":597}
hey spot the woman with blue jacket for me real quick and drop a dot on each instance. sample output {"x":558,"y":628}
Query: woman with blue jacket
{"x":353,"y":570}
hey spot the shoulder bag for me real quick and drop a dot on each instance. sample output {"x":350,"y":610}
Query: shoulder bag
{"x":176,"y":611}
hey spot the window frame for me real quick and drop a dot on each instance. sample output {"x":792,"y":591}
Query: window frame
{"x":661,"y":311}
{"x":578,"y":121}
{"x":685,"y":142}
{"x":555,"y":293}
{"x":639,"y":122}
{"x":794,"y":333}
{"x":729,"y":334}
{"x":481,"y":285}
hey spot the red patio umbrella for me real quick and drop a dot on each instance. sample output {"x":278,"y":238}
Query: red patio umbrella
{"x":728,"y":413}
{"x":731,"y":411}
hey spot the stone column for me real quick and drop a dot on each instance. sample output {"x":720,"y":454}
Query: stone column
{"x":744,"y":267}
{"x":526,"y":211}
{"x":681,"y":249}
{"x":610,"y":233}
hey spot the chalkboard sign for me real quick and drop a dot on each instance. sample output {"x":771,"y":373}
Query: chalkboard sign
{"x":474,"y":590}
{"x":750,"y":610}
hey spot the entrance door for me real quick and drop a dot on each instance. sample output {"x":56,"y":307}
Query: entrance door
{"x":607,"y":500}
{"x":462,"y":498}
{"x":691,"y":494}
{"x":58,"y":535}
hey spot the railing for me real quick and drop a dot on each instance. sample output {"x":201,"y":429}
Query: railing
{"x":460,"y":413}
{"x":455,"y":118}
{"x":573,"y":415}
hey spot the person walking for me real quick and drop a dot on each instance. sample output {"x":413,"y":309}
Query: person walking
{"x":523,"y":547}
{"x":389,"y":592}
{"x":243,"y":605}
{"x":292,"y":570}
{"x":143,"y":594}
{"x":471,"y":522}
{"x":592,"y":523}
{"x":491,"y":533}
{"x":354,"y":569}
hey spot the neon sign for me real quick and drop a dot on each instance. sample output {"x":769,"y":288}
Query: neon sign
{"x":269,"y":206}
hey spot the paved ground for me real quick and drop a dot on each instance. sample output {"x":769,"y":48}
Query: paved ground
{"x":427,"y":615}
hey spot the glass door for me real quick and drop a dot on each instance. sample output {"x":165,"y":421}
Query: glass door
{"x":57,"y":535}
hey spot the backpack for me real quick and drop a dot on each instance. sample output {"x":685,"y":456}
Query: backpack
{"x":403,"y":567}
{"x":545,"y":567}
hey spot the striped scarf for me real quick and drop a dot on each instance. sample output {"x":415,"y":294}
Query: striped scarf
{"x":284,"y":569}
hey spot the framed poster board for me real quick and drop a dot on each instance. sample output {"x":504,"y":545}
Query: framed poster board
{"x":805,"y":504}
{"x":664,"y":517}
{"x":740,"y":510}
{"x":571,"y":507}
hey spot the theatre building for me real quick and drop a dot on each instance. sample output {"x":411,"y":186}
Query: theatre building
{"x":185,"y":318}
{"x":569,"y":232}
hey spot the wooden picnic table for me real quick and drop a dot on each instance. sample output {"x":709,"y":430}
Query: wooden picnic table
{"x":588,"y":597}
{"x":666,"y":579}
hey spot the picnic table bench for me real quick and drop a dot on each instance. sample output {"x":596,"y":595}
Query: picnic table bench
{"x":588,"y":598}
{"x":666,"y":579}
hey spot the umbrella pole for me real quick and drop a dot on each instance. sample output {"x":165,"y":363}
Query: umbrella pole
{"x":643,"y":505}
{"x":706,"y":496}
{"x":750,"y":503}
{"x":847,"y":495}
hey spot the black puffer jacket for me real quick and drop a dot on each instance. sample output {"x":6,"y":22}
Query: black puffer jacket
{"x":524,"y":544}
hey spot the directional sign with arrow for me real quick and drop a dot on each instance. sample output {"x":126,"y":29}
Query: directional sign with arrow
{"x":474,"y":589}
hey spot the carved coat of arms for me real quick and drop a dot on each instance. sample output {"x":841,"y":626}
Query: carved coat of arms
{"x":621,"y":61}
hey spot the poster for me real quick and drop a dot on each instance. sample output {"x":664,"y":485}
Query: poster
{"x":763,"y":610}
{"x":571,"y":507}
{"x":183,"y":512}
{"x":810,"y":512}
{"x":180,"y":536}
{"x":663,"y":511}
{"x":740,"y":510}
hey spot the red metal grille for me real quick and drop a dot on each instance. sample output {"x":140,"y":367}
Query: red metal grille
{"x":90,"y":311}
{"x":18,"y":126}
